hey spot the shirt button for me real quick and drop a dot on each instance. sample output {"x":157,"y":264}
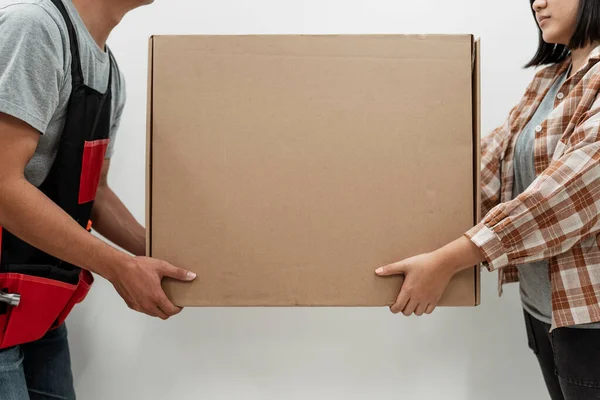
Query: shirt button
{"x":560,"y":96}
{"x":538,"y":128}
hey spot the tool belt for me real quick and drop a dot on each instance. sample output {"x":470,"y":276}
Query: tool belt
{"x":35,"y":299}
{"x":42,"y":297}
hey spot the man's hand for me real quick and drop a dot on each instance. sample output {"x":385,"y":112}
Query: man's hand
{"x":139,"y":284}
{"x":427,"y":276}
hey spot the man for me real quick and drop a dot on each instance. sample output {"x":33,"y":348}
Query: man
{"x":61,"y":99}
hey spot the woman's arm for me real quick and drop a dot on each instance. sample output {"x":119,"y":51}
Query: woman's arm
{"x":557,"y":211}
{"x":492,"y":149}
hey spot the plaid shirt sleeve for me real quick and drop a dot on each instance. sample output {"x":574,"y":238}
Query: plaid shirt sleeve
{"x":492,"y":147}
{"x":556,"y":212}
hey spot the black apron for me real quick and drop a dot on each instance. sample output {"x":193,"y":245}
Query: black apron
{"x":48,"y":287}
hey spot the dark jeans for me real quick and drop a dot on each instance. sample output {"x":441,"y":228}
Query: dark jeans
{"x":569,"y":357}
{"x":38,"y":371}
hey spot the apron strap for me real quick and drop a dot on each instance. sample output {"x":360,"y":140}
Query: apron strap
{"x":76,"y":71}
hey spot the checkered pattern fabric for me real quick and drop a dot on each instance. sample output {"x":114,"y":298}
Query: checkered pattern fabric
{"x":557,"y":217}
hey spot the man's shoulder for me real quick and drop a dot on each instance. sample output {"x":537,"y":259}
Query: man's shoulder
{"x":30,"y":27}
{"x":118,"y":80}
{"x":39,"y":16}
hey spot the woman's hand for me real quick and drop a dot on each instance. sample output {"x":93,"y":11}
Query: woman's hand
{"x":427,"y":276}
{"x":424,"y":284}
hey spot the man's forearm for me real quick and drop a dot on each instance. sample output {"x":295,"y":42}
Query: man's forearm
{"x":113,"y":220}
{"x":30,"y":215}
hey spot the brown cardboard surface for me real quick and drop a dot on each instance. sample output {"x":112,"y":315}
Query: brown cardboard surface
{"x":149,"y":147}
{"x":284,"y":170}
{"x":477,"y":150}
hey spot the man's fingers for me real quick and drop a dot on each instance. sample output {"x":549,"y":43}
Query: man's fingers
{"x":430,"y":309}
{"x":167,"y":307}
{"x":153,"y":310}
{"x":391,"y":269}
{"x":161,"y":314}
{"x":177,"y":273}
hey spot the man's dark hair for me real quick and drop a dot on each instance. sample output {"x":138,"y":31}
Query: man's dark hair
{"x":587,"y":31}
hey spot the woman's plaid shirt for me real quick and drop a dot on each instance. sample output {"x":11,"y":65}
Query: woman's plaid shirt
{"x":557,"y":217}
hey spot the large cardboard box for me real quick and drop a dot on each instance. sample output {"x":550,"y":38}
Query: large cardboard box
{"x":284,"y":170}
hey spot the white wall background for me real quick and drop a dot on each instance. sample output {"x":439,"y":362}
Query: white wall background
{"x":455,"y":354}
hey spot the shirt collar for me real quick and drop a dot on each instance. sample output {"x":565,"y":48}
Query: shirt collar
{"x":594,"y":54}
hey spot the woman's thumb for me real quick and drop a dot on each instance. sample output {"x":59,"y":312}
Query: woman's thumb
{"x":392,"y":269}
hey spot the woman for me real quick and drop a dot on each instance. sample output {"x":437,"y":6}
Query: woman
{"x":541,"y":201}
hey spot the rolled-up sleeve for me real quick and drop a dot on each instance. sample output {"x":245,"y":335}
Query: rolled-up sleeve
{"x":557,"y":211}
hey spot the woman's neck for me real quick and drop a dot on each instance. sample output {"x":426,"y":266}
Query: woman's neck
{"x":579,"y":57}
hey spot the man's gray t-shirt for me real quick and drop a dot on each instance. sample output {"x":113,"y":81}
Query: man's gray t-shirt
{"x":35,"y":74}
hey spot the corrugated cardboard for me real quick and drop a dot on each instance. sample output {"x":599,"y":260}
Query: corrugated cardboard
{"x":284,"y":170}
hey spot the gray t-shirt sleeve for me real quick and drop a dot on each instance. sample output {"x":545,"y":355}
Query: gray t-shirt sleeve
{"x":119,"y":99}
{"x":31,"y":64}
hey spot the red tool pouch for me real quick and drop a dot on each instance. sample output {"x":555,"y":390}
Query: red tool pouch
{"x":45,"y":304}
{"x":86,"y":279}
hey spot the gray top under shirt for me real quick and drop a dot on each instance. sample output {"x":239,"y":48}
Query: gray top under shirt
{"x":35,"y":74}
{"x":535,"y":287}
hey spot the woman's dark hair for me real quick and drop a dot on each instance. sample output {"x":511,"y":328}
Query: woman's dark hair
{"x":587,"y":31}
